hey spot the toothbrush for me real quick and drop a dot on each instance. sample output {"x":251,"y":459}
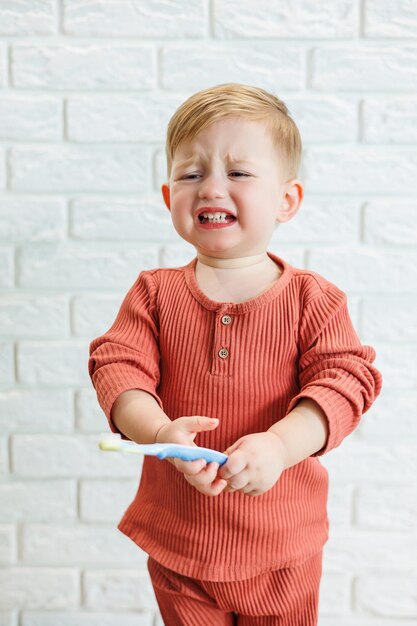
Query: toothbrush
{"x":163,"y":450}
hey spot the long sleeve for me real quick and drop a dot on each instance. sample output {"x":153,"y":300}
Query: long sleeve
{"x":247,"y":363}
{"x":127,"y":355}
{"x":335,"y":370}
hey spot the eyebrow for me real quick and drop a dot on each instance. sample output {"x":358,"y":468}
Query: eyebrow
{"x":198,"y":159}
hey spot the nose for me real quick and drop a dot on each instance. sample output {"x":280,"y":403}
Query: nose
{"x":212,"y":187}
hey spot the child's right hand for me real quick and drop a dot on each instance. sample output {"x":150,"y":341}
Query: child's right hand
{"x":199,"y":474}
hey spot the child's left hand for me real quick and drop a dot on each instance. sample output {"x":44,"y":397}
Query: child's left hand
{"x":255,"y":463}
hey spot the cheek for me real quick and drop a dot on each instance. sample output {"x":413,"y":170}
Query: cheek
{"x":251,"y":196}
{"x":182,"y":216}
{"x":181,"y":198}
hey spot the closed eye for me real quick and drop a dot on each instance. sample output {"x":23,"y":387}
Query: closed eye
{"x":238,"y":175}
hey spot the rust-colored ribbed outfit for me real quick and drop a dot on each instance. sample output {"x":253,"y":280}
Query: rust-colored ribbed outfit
{"x":282,"y":597}
{"x":247,"y":364}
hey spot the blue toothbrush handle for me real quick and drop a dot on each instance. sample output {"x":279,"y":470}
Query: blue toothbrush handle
{"x":192,"y":453}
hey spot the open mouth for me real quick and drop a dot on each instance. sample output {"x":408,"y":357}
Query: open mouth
{"x":218,"y":220}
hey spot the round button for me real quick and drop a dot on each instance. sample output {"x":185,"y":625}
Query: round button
{"x":223,"y":353}
{"x":226,"y":319}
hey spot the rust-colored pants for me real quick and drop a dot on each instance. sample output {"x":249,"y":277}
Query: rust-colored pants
{"x":284,"y":597}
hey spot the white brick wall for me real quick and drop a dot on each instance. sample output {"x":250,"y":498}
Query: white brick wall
{"x":86,"y":90}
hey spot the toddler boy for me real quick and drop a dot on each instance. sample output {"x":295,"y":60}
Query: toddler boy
{"x":241,"y":352}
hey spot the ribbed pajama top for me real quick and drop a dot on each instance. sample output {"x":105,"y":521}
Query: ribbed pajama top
{"x":248,"y":364}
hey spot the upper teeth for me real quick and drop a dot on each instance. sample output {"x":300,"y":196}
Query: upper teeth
{"x":214,"y":215}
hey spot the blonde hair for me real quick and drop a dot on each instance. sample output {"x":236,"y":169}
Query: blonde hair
{"x":234,"y":99}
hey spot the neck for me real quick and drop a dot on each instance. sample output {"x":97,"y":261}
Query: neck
{"x":233,"y":263}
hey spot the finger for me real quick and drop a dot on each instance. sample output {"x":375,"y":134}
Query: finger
{"x":234,"y":447}
{"x":240,"y":482}
{"x":207,"y":475}
{"x":212,"y":489}
{"x":254,"y":492}
{"x":234,"y":465}
{"x":199,"y":423}
{"x":217,"y":486}
{"x":190,"y":467}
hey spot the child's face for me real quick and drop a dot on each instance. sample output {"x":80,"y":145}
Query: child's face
{"x":233,"y":165}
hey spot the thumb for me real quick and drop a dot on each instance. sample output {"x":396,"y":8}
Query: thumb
{"x":199,"y":423}
{"x":233,"y":447}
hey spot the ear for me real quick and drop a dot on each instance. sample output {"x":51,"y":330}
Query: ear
{"x":292,"y":197}
{"x":166,"y":195}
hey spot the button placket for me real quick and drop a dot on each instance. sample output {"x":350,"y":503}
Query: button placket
{"x":222,"y":338}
